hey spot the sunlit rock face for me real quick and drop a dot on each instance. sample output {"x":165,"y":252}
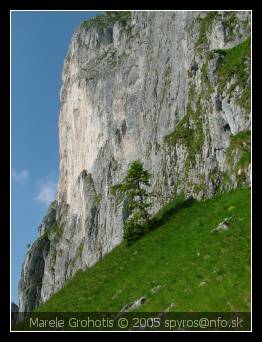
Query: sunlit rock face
{"x":149,"y":87}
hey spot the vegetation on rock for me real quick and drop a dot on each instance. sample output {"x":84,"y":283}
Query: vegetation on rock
{"x":235,"y":67}
{"x":239,"y":151}
{"x":229,"y":24}
{"x":108,"y":19}
{"x":205,"y":26}
{"x":189,"y":131}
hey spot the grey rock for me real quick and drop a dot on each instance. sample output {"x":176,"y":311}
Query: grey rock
{"x":171,"y":306}
{"x":14,"y":307}
{"x":203,"y":283}
{"x":155,"y":289}
{"x":133,"y":305}
{"x":224,"y":225}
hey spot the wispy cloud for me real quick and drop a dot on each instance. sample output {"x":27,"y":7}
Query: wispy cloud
{"x":47,"y":192}
{"x":21,"y":176}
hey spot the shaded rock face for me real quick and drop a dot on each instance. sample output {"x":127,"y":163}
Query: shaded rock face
{"x":152,"y":88}
{"x":14,"y":314}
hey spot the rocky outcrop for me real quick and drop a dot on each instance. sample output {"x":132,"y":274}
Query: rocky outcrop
{"x":171,"y":89}
{"x":133,"y":305}
{"x":14,"y":314}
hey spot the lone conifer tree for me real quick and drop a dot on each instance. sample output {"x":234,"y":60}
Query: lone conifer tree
{"x":137,"y":200}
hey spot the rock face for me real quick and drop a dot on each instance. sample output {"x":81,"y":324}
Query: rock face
{"x":171,"y":89}
{"x":14,"y":314}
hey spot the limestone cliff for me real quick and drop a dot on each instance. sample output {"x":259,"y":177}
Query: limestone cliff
{"x":171,"y":89}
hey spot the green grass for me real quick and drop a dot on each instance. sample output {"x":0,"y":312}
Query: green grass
{"x":234,"y":60}
{"x":236,"y":63}
{"x":179,"y":255}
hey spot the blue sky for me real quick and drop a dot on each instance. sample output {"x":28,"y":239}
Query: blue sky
{"x":39,"y":44}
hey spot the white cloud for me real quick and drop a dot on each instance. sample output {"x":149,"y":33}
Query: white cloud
{"x":21,"y":176}
{"x":47,"y":192}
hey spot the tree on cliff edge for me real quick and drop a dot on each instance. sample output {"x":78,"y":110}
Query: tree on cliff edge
{"x":137,"y":200}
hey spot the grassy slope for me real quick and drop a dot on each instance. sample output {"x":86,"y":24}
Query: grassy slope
{"x":178,"y":256}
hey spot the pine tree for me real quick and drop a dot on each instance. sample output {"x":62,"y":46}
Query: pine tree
{"x":137,"y":200}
